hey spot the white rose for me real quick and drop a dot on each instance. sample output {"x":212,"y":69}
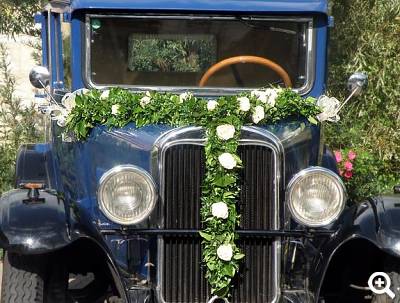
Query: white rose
{"x":227,"y":161}
{"x":69,"y":101}
{"x":105,"y":94}
{"x":272,"y":94}
{"x":220,"y":210}
{"x":330,"y":109}
{"x":225,"y":252}
{"x":244,"y":104}
{"x":225,"y":131}
{"x":258,"y":114}
{"x":185,"y":96}
{"x":211,"y":105}
{"x":145,"y":100}
{"x":115,"y":109}
{"x":262,"y":96}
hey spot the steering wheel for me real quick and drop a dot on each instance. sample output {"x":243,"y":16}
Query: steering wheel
{"x":246,"y":59}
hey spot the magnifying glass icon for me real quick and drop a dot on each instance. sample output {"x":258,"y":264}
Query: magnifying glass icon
{"x":379,"y":283}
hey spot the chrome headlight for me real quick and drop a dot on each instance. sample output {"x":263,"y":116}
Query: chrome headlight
{"x":127,"y":194}
{"x":316,"y":196}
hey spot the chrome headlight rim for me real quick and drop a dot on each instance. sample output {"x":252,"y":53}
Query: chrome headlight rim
{"x":127,"y":168}
{"x":307,"y":172}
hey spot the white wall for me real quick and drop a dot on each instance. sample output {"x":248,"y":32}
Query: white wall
{"x":21,"y":62}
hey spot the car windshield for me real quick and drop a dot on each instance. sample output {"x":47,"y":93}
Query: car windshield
{"x":177,"y":51}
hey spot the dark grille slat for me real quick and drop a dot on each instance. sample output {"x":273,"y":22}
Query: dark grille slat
{"x":183,"y":187}
{"x":256,"y":187}
{"x":183,"y":275}
{"x":187,"y":283}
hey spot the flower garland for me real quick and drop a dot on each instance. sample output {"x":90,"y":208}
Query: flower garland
{"x":222,"y":119}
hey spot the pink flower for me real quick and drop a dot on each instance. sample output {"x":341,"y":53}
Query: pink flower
{"x":352,"y":155}
{"x":348,"y":166}
{"x":341,"y":172}
{"x":338,"y":156}
{"x":348,"y":175}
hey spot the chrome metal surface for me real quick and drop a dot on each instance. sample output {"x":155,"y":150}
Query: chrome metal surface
{"x":357,"y":83}
{"x":310,"y":56}
{"x":58,"y":6}
{"x":217,"y":299}
{"x":312,"y":170}
{"x":127,"y":168}
{"x":195,"y":136}
{"x":39,"y":77}
{"x":49,"y":47}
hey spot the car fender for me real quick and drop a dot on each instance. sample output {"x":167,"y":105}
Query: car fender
{"x":33,"y":227}
{"x":376,"y":220}
{"x":34,"y":164}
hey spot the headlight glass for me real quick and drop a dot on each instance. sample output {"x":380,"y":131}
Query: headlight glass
{"x":316,"y":197}
{"x":127,"y":194}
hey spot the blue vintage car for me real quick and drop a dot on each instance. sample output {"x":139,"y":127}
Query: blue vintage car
{"x":69,"y":234}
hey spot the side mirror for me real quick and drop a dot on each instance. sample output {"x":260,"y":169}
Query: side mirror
{"x":357,"y":83}
{"x":39,"y":77}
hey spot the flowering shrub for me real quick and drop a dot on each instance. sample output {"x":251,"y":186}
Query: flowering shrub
{"x":363,"y":173}
{"x":345,"y":163}
{"x":370,"y":123}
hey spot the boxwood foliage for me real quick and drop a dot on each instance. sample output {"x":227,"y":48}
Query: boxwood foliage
{"x":370,"y":123}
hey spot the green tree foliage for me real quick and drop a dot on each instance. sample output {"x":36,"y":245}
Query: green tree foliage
{"x":366,"y":38}
{"x":16,"y":16}
{"x":18,"y":123}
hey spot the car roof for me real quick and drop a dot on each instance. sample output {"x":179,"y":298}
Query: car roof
{"x":245,"y":6}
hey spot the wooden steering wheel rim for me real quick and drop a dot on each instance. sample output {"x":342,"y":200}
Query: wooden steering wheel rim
{"x":246,"y":59}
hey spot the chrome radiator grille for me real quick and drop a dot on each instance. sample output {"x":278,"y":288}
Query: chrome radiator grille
{"x":182,"y":279}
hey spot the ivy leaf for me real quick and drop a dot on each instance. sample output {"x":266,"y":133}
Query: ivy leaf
{"x":228,"y":195}
{"x":312,"y":120}
{"x":82,"y":130}
{"x":224,"y":181}
{"x":211,"y":265}
{"x":205,"y":236}
{"x":238,"y":256}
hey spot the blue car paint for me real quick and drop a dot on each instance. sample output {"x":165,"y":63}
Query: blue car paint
{"x":320,"y":68}
{"x":249,"y":6}
{"x":78,"y":163}
{"x":81,"y":165}
{"x":41,"y":20}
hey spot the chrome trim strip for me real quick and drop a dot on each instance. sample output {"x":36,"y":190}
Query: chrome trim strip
{"x":195,"y":136}
{"x":202,"y":17}
{"x":49,"y":50}
{"x":310,"y":55}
